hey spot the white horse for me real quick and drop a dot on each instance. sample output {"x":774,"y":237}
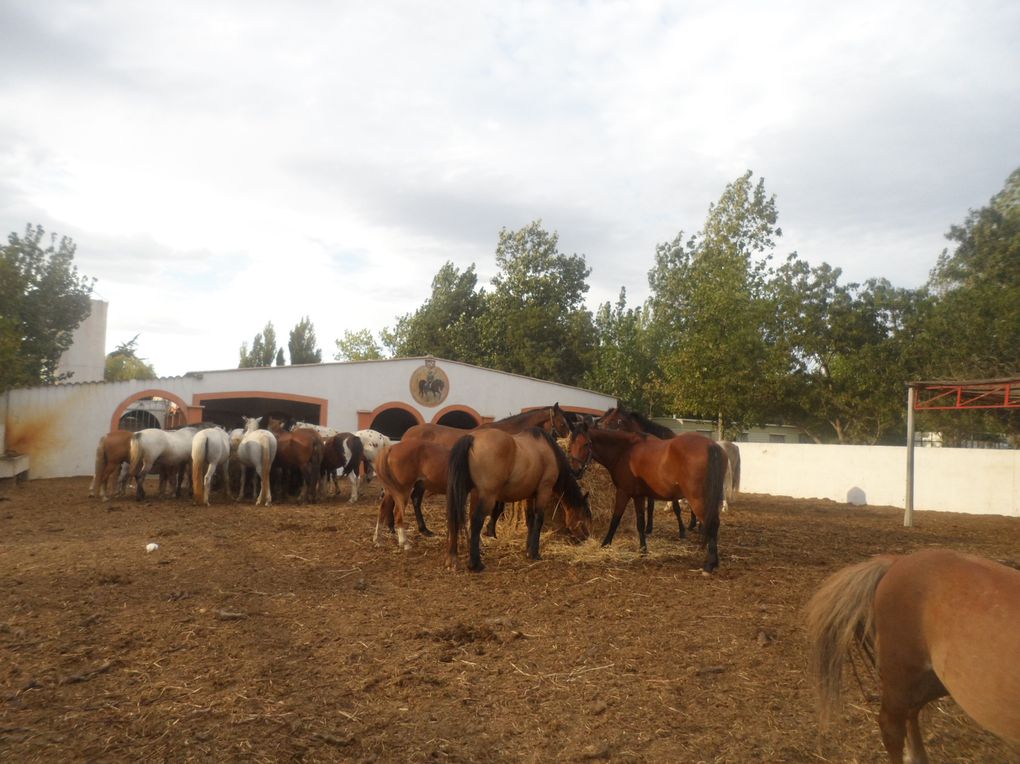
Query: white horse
{"x":373,"y":442}
{"x":160,"y":448}
{"x":257,"y":450}
{"x":210,"y":451}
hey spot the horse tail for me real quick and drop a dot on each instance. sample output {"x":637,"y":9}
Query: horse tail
{"x":715,"y":482}
{"x":357,"y":449}
{"x":100,"y":466}
{"x":459,"y":482}
{"x":838,"y":616}
{"x":136,"y":454}
{"x":199,"y":461}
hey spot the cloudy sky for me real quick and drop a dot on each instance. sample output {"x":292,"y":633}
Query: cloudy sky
{"x":221,"y":164}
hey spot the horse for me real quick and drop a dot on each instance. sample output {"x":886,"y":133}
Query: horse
{"x":498,"y":467}
{"x":935,"y":623}
{"x":113,"y":454}
{"x":154,"y":447}
{"x":402,"y":468}
{"x":210,"y":451}
{"x":633,"y":421}
{"x":620,"y":419}
{"x":551,"y":419}
{"x":299,"y":452}
{"x":344,"y":452}
{"x":689,"y":465}
{"x":372,"y":441}
{"x":257,"y":450}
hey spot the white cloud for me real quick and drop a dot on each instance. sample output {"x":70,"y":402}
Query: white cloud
{"x":224,"y":164}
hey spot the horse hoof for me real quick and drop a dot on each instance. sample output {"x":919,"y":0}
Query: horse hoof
{"x":451,"y":563}
{"x":426,"y":532}
{"x":476,"y":567}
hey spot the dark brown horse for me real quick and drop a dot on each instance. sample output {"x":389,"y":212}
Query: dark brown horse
{"x":494,"y":466}
{"x":551,"y":419}
{"x":935,"y":623}
{"x":299,"y":453}
{"x":641,"y":466}
{"x":402,"y":468}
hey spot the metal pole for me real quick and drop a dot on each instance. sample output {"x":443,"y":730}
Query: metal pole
{"x":908,"y":513}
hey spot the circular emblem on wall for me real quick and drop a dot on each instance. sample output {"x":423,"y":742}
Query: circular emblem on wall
{"x":429,"y":384}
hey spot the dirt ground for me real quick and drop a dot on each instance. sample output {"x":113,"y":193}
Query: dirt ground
{"x":281,"y":634}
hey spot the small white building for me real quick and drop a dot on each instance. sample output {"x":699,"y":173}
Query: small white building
{"x":58,"y":426}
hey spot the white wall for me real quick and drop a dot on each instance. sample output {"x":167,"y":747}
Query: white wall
{"x":976,"y":481}
{"x":86,"y":358}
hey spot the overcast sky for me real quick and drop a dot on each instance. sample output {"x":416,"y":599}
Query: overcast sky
{"x":221,"y":164}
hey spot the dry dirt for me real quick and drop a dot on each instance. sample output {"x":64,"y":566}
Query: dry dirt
{"x":281,"y":634}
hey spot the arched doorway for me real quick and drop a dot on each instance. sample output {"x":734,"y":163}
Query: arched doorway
{"x":458,"y":416}
{"x":153,"y":408}
{"x":391,"y":419}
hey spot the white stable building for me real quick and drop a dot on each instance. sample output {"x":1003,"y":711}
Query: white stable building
{"x":58,"y":426}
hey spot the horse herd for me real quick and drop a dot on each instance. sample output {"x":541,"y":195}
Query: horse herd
{"x":934,"y":623}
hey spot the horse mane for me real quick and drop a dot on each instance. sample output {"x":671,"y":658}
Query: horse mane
{"x":646,"y":424}
{"x":566,"y":483}
{"x":519,"y":417}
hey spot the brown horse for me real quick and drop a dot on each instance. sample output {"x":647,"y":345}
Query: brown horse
{"x":495,"y":466}
{"x":403,"y":468}
{"x":113,"y":451}
{"x":551,"y":419}
{"x":935,"y":623}
{"x":299,"y":453}
{"x":690,"y":465}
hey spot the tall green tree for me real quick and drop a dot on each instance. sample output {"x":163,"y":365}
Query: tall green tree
{"x":302,"y":343}
{"x":973,"y":330}
{"x":447,"y":325}
{"x":624,"y":361}
{"x":714,"y":327}
{"x":536,"y":322}
{"x":123,"y":363}
{"x":263,"y":349}
{"x":42,"y":302}
{"x":358,"y":346}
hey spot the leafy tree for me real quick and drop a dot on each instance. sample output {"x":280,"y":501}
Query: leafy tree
{"x":851,"y":352}
{"x":973,"y":329}
{"x":536,"y":323}
{"x":302,"y":343}
{"x":281,"y":360}
{"x":714,"y":327}
{"x":263,"y":349}
{"x":357,"y":346}
{"x":123,"y":363}
{"x":42,"y":302}
{"x":447,"y":324}
{"x":624,"y":361}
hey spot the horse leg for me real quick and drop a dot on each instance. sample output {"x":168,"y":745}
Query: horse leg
{"x":621,"y":504}
{"x":650,"y":520}
{"x":535,"y":516}
{"x":210,"y":471}
{"x":475,"y":549}
{"x":894,"y":730}
{"x":694,"y":519}
{"x":417,"y":494}
{"x":679,"y":518}
{"x":386,"y":516}
{"x":497,"y":512}
{"x":353,"y":475}
{"x":640,"y":517}
{"x":915,"y":741}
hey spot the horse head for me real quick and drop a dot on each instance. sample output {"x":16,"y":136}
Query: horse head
{"x":579,"y":450}
{"x":558,"y":421}
{"x":252,"y":423}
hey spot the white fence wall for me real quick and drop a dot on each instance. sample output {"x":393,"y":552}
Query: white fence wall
{"x":976,"y":481}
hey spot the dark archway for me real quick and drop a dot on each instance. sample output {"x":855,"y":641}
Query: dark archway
{"x":227,"y":410}
{"x":138,"y":419}
{"x":393,"y":423}
{"x":460,"y":419}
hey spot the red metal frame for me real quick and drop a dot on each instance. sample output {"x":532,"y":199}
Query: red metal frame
{"x":979,"y":394}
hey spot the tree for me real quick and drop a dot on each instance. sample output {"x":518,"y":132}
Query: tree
{"x":535,"y":322}
{"x":447,"y":324}
{"x":263,"y":349}
{"x":280,"y":359}
{"x":714,"y":326}
{"x":357,"y":346}
{"x":973,"y":329}
{"x":623,"y":362}
{"x":42,"y":302}
{"x":123,"y":363}
{"x":302,"y":343}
